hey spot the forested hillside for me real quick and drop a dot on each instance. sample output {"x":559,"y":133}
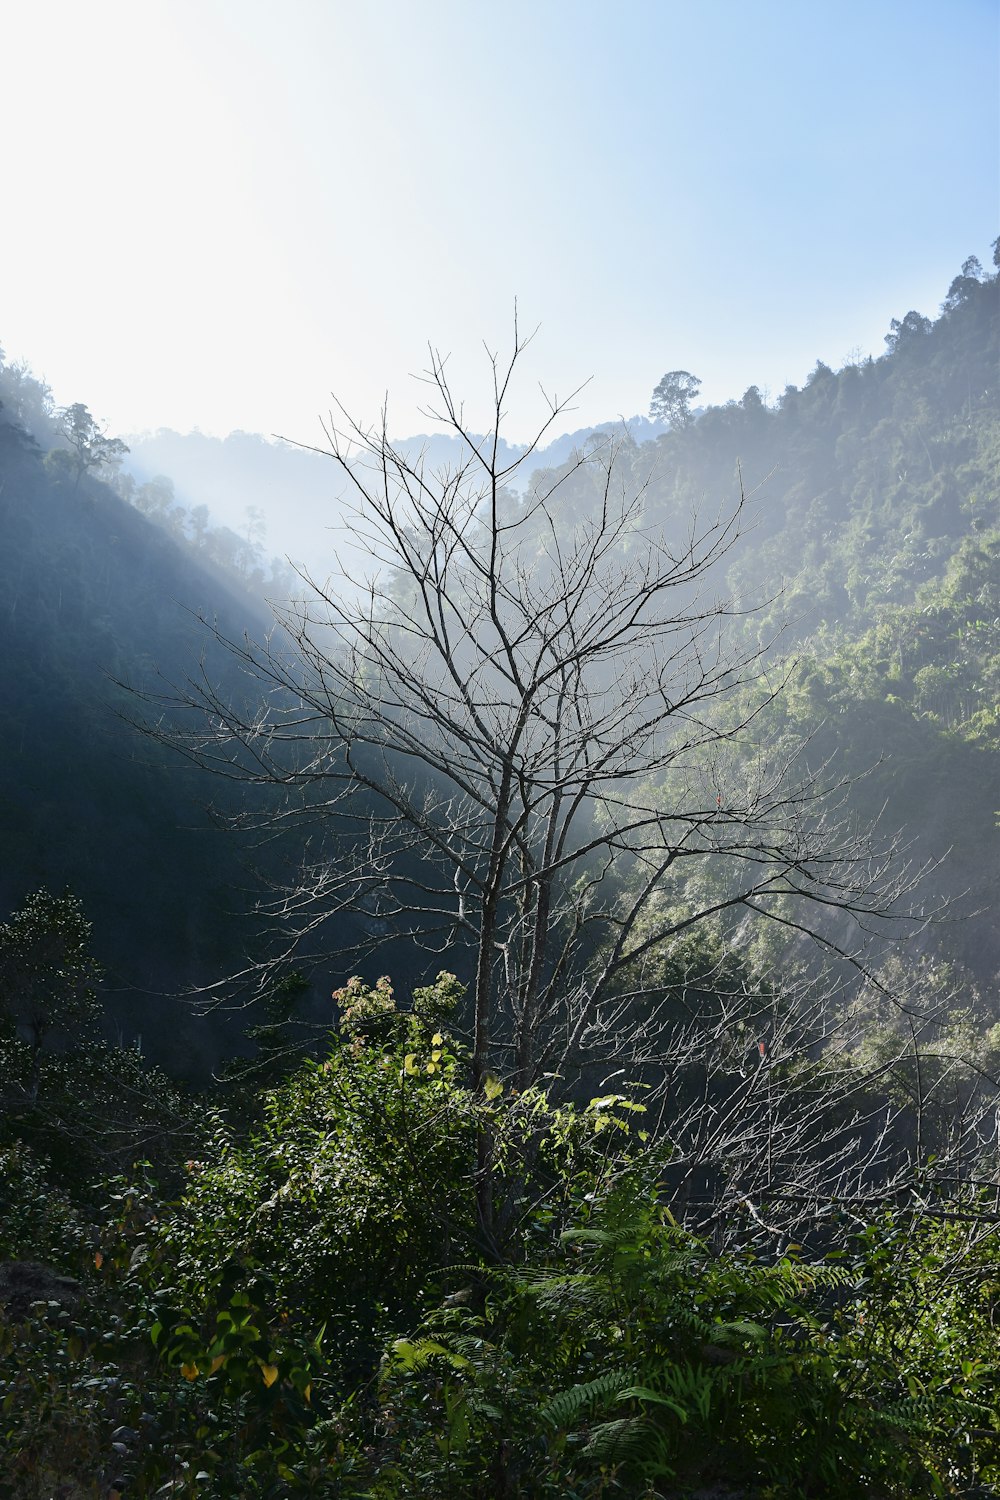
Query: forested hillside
{"x":868,"y":558}
{"x":874,"y":506}
{"x":97,"y":598}
{"x":653,"y":1150}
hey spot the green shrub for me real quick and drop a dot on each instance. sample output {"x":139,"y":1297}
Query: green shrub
{"x":632,"y":1359}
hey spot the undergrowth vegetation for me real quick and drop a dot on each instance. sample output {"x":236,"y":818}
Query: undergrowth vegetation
{"x":302,"y":1305}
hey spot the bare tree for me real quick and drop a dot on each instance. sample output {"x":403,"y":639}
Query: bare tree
{"x":530,"y":733}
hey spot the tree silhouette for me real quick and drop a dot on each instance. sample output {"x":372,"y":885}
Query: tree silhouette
{"x":671,"y":400}
{"x":89,"y":447}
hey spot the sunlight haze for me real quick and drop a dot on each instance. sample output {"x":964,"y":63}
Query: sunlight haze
{"x":220,"y":212}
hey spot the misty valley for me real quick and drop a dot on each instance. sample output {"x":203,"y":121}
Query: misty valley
{"x":498,"y":944}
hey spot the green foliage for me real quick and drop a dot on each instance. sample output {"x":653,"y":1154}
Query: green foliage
{"x":37,"y":1216}
{"x":48,"y":975}
{"x":72,"y":1108}
{"x":331,"y":1214}
{"x":634,"y":1355}
{"x":334,"y":1212}
{"x":90,"y":1111}
{"x":311,"y":1313}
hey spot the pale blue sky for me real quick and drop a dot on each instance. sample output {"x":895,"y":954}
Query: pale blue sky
{"x":218,"y":211}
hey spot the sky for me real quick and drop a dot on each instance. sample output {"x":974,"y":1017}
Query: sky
{"x":219,"y":213}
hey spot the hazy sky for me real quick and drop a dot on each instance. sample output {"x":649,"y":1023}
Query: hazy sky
{"x":217,"y":211}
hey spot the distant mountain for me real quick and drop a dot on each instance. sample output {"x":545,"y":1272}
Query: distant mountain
{"x":304,"y":495}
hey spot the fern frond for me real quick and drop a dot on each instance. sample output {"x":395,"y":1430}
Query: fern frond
{"x":564,"y":1409}
{"x":533,"y":1282}
{"x":645,"y":1393}
{"x":416,"y":1354}
{"x":620,"y":1441}
{"x":594,"y":1236}
{"x":691,"y":1322}
{"x":737,"y":1331}
{"x":923,"y":1415}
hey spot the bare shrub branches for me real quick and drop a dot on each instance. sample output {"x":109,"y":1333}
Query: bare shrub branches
{"x":530,"y":734}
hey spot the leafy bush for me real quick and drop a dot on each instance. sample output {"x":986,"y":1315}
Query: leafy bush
{"x":635,"y":1360}
{"x":316,"y":1313}
{"x":37,"y":1219}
